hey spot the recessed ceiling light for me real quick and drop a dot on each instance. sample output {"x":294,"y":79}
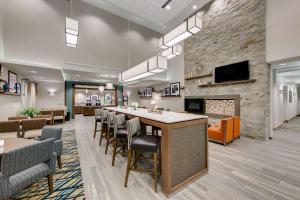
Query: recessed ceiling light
{"x":34,"y":72}
{"x":164,"y":27}
{"x":283,"y":64}
{"x":168,"y":7}
{"x":77,"y":75}
{"x":195,"y":7}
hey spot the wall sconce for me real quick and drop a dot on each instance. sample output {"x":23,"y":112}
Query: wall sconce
{"x":52,"y":92}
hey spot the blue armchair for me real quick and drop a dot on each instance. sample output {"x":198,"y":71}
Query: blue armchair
{"x":23,"y":167}
{"x":56,"y":133}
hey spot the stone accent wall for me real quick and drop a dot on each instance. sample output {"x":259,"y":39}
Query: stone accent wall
{"x":233,"y":31}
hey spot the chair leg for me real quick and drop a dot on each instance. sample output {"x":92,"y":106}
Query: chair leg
{"x":50,"y":183}
{"x":59,"y":162}
{"x":114,"y":152}
{"x":128,"y":167}
{"x":107,"y":142}
{"x":95,"y":128}
{"x":155,"y":170}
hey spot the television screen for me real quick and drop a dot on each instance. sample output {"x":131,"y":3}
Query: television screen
{"x":233,"y":72}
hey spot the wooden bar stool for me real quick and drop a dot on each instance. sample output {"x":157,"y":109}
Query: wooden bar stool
{"x":120,"y":137}
{"x":110,"y":130}
{"x":138,"y":143}
{"x":98,"y":113}
{"x":104,"y":125}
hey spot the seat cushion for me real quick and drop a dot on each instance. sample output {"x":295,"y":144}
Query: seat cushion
{"x":146,"y":143}
{"x":215,"y":134}
{"x":121,"y":133}
{"x":33,"y":133}
{"x":27,"y":177}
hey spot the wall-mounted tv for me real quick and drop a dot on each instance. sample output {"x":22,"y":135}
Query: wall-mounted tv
{"x":233,"y":72}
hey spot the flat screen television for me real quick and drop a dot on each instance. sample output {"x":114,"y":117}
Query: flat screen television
{"x":233,"y":72}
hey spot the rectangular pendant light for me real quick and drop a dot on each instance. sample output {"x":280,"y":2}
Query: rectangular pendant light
{"x":158,"y":64}
{"x":137,"y":72}
{"x":161,"y":43}
{"x":172,"y":51}
{"x":189,"y":27}
{"x":71,"y":32}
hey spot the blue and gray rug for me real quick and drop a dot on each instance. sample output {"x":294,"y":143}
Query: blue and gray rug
{"x":68,"y":182}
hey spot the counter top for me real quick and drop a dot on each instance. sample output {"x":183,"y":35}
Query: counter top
{"x":165,"y":117}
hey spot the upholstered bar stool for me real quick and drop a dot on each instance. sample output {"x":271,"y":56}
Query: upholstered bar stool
{"x":141,"y":144}
{"x":110,"y":130}
{"x":104,"y":125}
{"x":97,"y":120}
{"x":120,"y":137}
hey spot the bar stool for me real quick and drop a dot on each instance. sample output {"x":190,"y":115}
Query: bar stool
{"x":110,"y":130}
{"x":120,"y":137}
{"x":141,"y":144}
{"x":104,"y":125}
{"x":97,"y":119}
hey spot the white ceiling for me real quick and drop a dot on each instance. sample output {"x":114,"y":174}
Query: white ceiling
{"x":289,"y":72}
{"x":149,"y":13}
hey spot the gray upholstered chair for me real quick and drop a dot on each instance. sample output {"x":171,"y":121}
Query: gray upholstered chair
{"x":104,"y":124}
{"x":110,"y":130}
{"x":139,"y":143}
{"x":56,"y":133}
{"x":23,"y":167}
{"x":98,"y":113}
{"x":120,"y":136}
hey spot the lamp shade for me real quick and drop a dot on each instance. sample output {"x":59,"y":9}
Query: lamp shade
{"x":137,"y":72}
{"x":172,"y":51}
{"x":158,"y":64}
{"x":71,"y":32}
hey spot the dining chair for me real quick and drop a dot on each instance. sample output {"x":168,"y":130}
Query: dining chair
{"x":139,"y":144}
{"x":56,"y":133}
{"x":32,"y":128}
{"x":104,"y":125}
{"x":9,"y":129}
{"x":98,"y":113}
{"x":23,"y":167}
{"x":110,"y":130}
{"x":59,"y":115}
{"x":49,"y":118}
{"x":120,"y":137}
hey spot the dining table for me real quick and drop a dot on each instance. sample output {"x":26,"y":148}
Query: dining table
{"x":10,"y":144}
{"x":184,"y":144}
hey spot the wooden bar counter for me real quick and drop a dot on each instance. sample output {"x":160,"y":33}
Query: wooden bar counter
{"x":89,"y":110}
{"x":184,"y":144}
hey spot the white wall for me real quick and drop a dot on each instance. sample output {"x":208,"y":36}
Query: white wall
{"x":292,"y":107}
{"x":283,"y":29}
{"x":45,"y":100}
{"x":34,"y":32}
{"x":1,"y":29}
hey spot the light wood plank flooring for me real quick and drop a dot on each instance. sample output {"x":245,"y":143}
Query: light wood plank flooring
{"x":247,"y":169}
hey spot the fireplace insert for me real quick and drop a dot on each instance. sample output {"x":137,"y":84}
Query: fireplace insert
{"x":194,"y":105}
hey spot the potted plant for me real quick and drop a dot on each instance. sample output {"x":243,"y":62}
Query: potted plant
{"x":30,"y":112}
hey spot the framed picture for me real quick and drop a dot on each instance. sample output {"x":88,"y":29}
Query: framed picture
{"x":94,"y":97}
{"x":12,"y":80}
{"x":125,"y":98}
{"x":175,"y":89}
{"x":108,"y":99}
{"x":167,"y":91}
{"x":18,"y":88}
{"x":149,"y":92}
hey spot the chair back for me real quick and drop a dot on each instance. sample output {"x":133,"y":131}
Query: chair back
{"x":133,"y":129}
{"x":104,"y":114}
{"x":58,"y":113}
{"x":21,"y":159}
{"x":46,"y":112}
{"x":98,"y":112}
{"x":42,"y":116}
{"x":17,"y":118}
{"x":33,"y":124}
{"x":9,"y":126}
{"x":51,"y":132}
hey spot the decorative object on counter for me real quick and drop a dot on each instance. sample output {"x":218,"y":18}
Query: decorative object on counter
{"x":94,"y":97}
{"x":175,"y":89}
{"x":108,"y":99}
{"x":30,"y":112}
{"x":135,"y":105}
{"x":12,"y":80}
{"x":5,"y":87}
{"x":203,"y":82}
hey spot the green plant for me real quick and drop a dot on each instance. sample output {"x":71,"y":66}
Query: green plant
{"x":30,"y":112}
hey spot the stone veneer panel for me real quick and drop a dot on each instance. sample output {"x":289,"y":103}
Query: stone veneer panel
{"x":233,"y":31}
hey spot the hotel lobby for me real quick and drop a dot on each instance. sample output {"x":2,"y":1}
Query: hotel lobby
{"x":141,"y":99}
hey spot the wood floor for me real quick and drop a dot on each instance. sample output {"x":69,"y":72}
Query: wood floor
{"x":247,"y":169}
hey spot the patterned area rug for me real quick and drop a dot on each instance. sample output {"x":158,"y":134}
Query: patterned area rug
{"x":68,"y":182}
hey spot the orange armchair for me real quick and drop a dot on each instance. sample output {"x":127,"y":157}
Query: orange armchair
{"x":236,"y":127}
{"x":222,"y":133}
